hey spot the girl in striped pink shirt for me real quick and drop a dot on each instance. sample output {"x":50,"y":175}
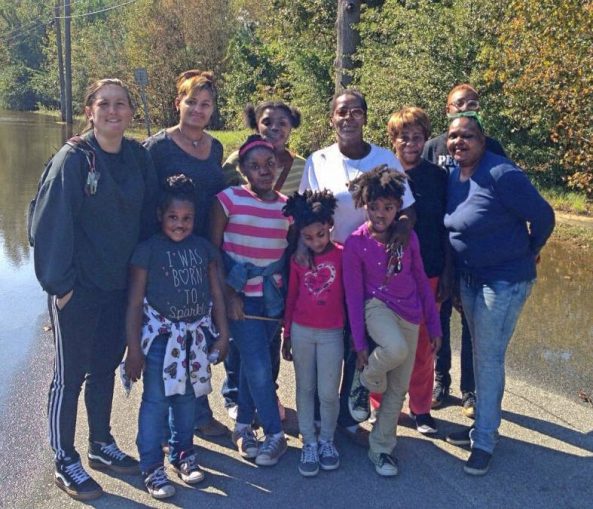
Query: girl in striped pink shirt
{"x":249,"y":227}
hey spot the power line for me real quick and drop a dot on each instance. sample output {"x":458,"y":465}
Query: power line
{"x":34,"y":25}
{"x":98,"y":11}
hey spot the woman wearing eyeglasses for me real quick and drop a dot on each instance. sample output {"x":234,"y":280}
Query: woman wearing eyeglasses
{"x":332,"y":168}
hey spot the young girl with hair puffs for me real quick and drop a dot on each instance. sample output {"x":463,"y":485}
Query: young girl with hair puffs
{"x":388,"y":293}
{"x":314,"y":328}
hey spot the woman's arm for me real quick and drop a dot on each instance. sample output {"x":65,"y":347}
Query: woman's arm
{"x":137,"y":290}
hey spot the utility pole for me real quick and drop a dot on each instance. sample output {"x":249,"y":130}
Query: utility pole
{"x":67,"y":62}
{"x":58,"y":27}
{"x":347,"y":41}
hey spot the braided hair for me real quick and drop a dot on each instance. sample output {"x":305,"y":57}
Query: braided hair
{"x":380,"y":182}
{"x":177,"y":187}
{"x":311,"y":207}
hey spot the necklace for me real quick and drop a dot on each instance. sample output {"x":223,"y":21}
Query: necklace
{"x":194,"y":143}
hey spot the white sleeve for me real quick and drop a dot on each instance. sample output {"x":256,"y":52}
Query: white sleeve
{"x":309,"y":180}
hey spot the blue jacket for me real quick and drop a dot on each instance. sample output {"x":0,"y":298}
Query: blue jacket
{"x":497,"y":221}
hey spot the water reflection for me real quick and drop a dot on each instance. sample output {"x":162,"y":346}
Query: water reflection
{"x":26,"y":141}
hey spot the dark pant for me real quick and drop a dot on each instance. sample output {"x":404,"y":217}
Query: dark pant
{"x":89,"y":340}
{"x":443,"y":358}
{"x":232,"y":366}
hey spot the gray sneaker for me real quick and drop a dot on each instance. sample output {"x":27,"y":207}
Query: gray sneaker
{"x":309,"y":462}
{"x":329,"y":457}
{"x":271,"y":451}
{"x":246,"y":442}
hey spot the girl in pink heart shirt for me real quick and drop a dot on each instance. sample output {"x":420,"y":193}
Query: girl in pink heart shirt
{"x":314,"y":328}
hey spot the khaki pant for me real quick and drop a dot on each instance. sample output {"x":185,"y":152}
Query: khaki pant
{"x":392,"y":360}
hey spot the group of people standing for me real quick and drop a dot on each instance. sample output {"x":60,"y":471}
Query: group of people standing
{"x":188,"y":262}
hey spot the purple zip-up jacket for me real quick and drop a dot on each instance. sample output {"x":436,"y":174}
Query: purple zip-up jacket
{"x":407,"y":293}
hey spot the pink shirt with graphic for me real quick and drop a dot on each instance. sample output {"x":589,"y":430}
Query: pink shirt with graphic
{"x":316,"y":296}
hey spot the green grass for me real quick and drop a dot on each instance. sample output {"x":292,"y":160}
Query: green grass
{"x":568,"y":201}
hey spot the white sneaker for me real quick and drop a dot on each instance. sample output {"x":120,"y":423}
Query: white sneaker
{"x":187,"y":468}
{"x":233,"y":411}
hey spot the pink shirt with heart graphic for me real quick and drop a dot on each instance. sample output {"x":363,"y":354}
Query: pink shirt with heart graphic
{"x":316,"y":296}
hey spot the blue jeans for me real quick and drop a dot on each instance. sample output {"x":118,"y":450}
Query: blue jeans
{"x":232,"y":367}
{"x":155,"y":408}
{"x":492,"y":310}
{"x":443,"y":357}
{"x":256,"y":382}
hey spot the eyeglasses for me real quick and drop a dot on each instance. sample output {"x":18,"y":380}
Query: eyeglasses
{"x":410,"y":140}
{"x":355,"y":113}
{"x":470,"y":104}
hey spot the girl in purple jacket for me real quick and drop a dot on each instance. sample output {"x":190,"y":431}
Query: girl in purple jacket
{"x":388,"y":293}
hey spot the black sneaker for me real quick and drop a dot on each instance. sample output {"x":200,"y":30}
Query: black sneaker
{"x":71,"y":477}
{"x":358,"y":400}
{"x":478,"y":462}
{"x":460,"y":437}
{"x":187,"y":468}
{"x":108,"y":456}
{"x":157,"y":483}
{"x":425,"y":424}
{"x":468,"y":400}
{"x":440,"y":394}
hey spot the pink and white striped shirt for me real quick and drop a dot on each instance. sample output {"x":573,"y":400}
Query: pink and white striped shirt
{"x":255,"y":233}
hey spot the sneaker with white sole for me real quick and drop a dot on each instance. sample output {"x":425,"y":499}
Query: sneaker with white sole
{"x":309,"y":462}
{"x":109,"y":456}
{"x":425,"y":423}
{"x":271,"y":450}
{"x":329,"y":457}
{"x":187,"y":468}
{"x":385,"y":464}
{"x":460,"y":437}
{"x":358,"y":400}
{"x":246,"y":442}
{"x":157,"y":483}
{"x":478,"y":462}
{"x":71,"y":477}
{"x":468,"y":404}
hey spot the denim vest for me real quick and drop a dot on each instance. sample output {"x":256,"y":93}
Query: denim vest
{"x":239,"y":273}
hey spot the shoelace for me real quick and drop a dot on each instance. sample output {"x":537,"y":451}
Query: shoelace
{"x":77,"y":473}
{"x":248,"y":435}
{"x":386,"y":458}
{"x":113,"y":451}
{"x":189,"y":463}
{"x":158,"y":478}
{"x":310,"y":454}
{"x":361,"y":395}
{"x":270,"y":443}
{"x":327,"y":449}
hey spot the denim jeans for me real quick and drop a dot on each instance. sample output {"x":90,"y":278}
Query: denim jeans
{"x":256,"y":382}
{"x":232,"y":366}
{"x":492,"y":310}
{"x":155,"y":408}
{"x":443,"y":357}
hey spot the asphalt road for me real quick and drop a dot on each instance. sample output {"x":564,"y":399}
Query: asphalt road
{"x":544,"y":458}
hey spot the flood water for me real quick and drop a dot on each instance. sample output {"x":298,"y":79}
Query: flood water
{"x":552,"y":346}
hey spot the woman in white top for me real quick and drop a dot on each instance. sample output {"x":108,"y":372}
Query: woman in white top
{"x":332,"y":168}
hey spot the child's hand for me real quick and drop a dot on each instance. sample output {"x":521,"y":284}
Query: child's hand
{"x":287,"y":349}
{"x":222,"y":345}
{"x":235,"y":307}
{"x":435,"y":344}
{"x":362,"y":359}
{"x":134,"y":363}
